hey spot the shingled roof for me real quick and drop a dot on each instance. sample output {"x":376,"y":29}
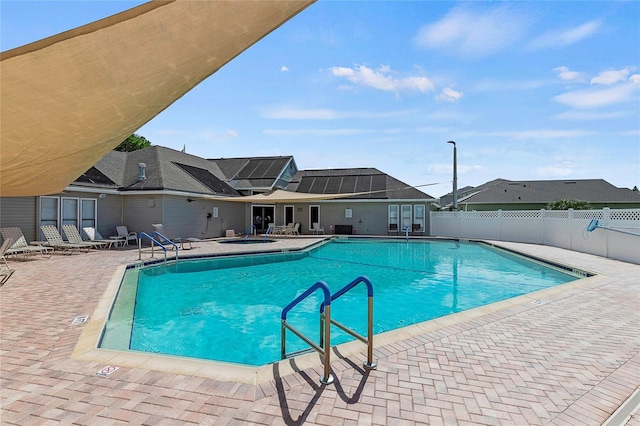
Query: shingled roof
{"x":354,"y":180}
{"x":165,"y":169}
{"x":501,"y":191}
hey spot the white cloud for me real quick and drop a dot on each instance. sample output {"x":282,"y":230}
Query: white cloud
{"x":449,"y":95}
{"x":208,"y":135}
{"x":472,"y":34}
{"x":284,"y":68}
{"x":591,"y":115}
{"x":610,"y":77}
{"x":493,"y":85}
{"x":446,"y":168}
{"x":565,"y":74}
{"x":567,"y":37}
{"x":542,"y":134}
{"x":563,"y":169}
{"x":635,"y":79}
{"x":593,"y":98}
{"x":318,"y":132}
{"x":382,"y":79}
{"x":291,"y":113}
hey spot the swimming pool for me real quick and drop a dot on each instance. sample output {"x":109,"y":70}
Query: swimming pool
{"x":228,"y":308}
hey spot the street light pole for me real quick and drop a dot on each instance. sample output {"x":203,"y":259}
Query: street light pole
{"x":455,"y":176}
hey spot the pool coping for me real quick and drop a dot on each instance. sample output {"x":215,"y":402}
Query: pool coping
{"x":87,"y":348}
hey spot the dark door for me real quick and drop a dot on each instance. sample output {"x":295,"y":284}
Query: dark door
{"x":262,"y":217}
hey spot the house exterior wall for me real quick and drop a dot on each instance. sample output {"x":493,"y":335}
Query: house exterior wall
{"x":20,"y":212}
{"x":182,"y":218}
{"x":368,"y":218}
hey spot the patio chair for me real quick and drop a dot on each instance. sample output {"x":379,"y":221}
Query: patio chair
{"x":124,"y":234}
{"x":296,"y":229}
{"x":316,"y":229}
{"x":5,"y":273}
{"x":288,"y":230}
{"x":54,"y":239}
{"x":19,"y":244}
{"x":73,"y":236}
{"x":94,"y":235}
{"x":180,"y":240}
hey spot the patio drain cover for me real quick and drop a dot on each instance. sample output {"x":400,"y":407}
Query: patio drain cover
{"x":107,"y":371}
{"x":80,"y":320}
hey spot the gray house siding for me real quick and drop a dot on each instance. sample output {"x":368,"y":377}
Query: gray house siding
{"x":182,"y":218}
{"x":20,"y":212}
{"x":368,"y":218}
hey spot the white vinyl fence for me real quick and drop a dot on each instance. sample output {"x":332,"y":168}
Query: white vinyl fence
{"x":559,"y":228}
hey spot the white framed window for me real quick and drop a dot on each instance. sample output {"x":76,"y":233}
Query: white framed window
{"x":406,"y":216}
{"x":58,"y":211}
{"x":393,"y":218}
{"x":419,"y":218}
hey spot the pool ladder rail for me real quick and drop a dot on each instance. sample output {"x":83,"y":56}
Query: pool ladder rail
{"x":156,"y":242}
{"x":324,"y":347}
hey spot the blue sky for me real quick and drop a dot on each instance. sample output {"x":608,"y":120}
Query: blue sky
{"x":528,"y":90}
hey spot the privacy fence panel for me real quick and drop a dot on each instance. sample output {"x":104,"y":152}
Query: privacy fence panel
{"x":617,"y":235}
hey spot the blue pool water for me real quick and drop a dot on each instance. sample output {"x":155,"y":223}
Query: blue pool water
{"x":228,"y":309}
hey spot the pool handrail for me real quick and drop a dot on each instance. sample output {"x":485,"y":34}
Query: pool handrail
{"x":153,"y":242}
{"x":269,"y":228}
{"x":164,"y":239}
{"x":246,"y":237}
{"x":325,"y":348}
{"x":369,"y":364}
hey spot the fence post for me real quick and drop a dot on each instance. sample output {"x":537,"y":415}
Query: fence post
{"x":606,"y":217}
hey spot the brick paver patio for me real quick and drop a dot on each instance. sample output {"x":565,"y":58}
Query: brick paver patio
{"x":564,"y":356}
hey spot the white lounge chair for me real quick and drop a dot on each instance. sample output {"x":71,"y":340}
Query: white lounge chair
{"x":54,"y":239}
{"x":125,"y":235}
{"x":73,"y":236}
{"x":94,"y":235}
{"x":6,"y":272}
{"x":19,"y":244}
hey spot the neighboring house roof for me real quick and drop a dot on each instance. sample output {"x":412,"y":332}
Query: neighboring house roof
{"x":354,"y":180}
{"x":256,"y":173}
{"x":501,"y":191}
{"x":165,"y":169}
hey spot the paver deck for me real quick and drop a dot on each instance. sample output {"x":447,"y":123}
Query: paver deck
{"x":564,"y":356}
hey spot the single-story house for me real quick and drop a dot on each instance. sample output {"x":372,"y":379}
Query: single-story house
{"x":503,"y":194}
{"x":198,"y":197}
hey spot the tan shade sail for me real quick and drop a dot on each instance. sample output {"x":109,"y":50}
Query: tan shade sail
{"x":282,"y":196}
{"x":67,"y":100}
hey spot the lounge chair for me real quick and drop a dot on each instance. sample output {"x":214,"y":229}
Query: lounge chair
{"x":94,"y":235}
{"x":180,"y":240}
{"x":54,"y":239}
{"x":5,"y":273}
{"x":316,"y":229}
{"x":19,"y":244}
{"x":124,"y":234}
{"x":73,"y":236}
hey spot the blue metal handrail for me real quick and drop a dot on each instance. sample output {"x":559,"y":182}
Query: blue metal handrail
{"x":153,"y":242}
{"x":269,"y":228}
{"x":325,"y":346}
{"x":165,"y":239}
{"x":246,"y":237}
{"x":369,"y":364}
